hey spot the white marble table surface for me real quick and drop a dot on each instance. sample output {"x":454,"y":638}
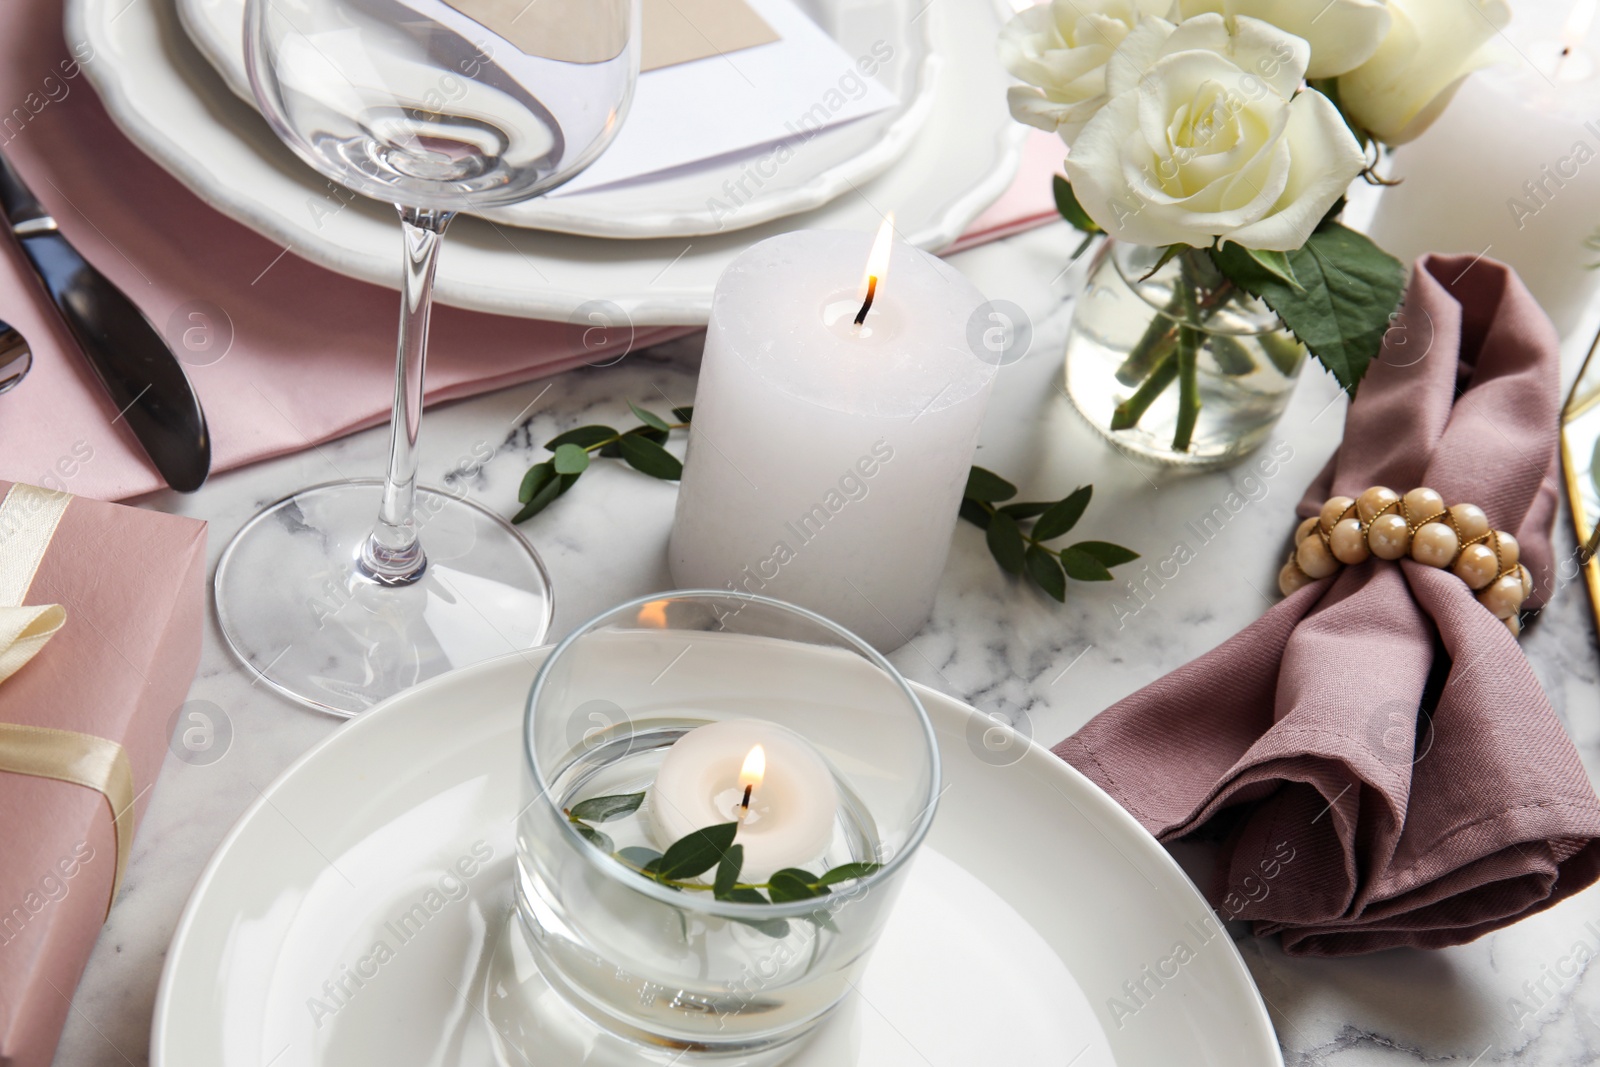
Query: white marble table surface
{"x":991,"y":642}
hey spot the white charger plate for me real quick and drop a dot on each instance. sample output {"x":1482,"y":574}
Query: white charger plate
{"x":1034,"y":901}
{"x":678,"y":204}
{"x":168,"y":100}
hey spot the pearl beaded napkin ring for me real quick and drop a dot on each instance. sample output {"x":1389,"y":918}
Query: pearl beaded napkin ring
{"x":1381,"y":523}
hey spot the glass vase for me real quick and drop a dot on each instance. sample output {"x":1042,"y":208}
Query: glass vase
{"x":674,"y":966}
{"x":1172,"y":362}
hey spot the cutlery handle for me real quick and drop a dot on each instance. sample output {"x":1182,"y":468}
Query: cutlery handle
{"x":132,"y":361}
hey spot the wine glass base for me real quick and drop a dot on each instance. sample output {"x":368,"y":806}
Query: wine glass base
{"x":296,"y":609}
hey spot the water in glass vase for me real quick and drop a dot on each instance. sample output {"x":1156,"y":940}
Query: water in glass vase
{"x":1174,"y":364}
{"x":708,"y":974}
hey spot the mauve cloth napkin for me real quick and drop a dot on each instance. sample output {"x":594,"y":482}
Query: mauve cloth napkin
{"x":1344,"y":831}
{"x":312,"y":356}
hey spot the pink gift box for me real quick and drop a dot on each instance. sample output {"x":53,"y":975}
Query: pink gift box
{"x":133,"y":586}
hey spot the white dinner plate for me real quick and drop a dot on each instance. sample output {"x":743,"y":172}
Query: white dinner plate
{"x":696,"y":201}
{"x":168,"y":100}
{"x":1035,"y":909}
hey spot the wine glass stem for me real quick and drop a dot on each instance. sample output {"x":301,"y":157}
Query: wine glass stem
{"x":393,"y":552}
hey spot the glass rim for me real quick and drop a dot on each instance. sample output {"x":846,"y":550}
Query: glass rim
{"x":707,"y":904}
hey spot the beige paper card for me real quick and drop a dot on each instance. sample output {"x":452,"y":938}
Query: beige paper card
{"x":593,"y":31}
{"x":677,"y":31}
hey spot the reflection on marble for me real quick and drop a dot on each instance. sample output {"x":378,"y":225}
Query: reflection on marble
{"x":992,"y":642}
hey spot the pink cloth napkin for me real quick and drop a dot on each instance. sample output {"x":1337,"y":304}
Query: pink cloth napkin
{"x":1350,"y":822}
{"x":312,"y":356}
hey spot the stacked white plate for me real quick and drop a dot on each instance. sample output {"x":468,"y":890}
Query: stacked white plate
{"x":653,"y":247}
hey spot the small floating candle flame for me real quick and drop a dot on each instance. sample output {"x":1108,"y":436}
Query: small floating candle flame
{"x":1575,"y":31}
{"x":750,"y":775}
{"x":653,"y":614}
{"x":877,"y":266}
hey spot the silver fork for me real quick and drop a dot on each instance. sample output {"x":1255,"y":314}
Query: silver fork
{"x":16,"y":358}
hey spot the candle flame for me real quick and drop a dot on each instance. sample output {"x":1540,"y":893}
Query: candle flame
{"x":754,"y":769}
{"x":1579,"y":19}
{"x":653,"y":614}
{"x":878,"y":259}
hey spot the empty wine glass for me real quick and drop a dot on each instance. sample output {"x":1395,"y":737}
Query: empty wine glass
{"x":437,"y":108}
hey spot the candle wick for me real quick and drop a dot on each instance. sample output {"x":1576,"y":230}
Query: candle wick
{"x":745,"y":803}
{"x":872,"y":291}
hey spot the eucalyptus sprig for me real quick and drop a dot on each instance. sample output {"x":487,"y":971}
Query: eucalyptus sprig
{"x":640,"y":446}
{"x":693,"y":855}
{"x":1024,"y":552}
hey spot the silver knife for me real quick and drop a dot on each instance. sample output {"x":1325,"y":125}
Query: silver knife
{"x":134,"y":364}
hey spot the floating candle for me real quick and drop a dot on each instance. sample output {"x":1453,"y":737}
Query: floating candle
{"x":709,"y":772}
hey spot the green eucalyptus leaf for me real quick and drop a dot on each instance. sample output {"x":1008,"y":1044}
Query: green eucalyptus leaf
{"x":1107,"y":553}
{"x":603,"y":809}
{"x":1045,"y":570}
{"x":696,"y":853}
{"x":770,"y":927}
{"x":987,"y":486}
{"x":1067,"y":204}
{"x":1083,"y":567}
{"x":791,"y":883}
{"x":583,"y":437}
{"x":1030,"y":510}
{"x":847,"y":871}
{"x":684,"y":414}
{"x":534,"y":480}
{"x":593,"y":836}
{"x":546,"y":495}
{"x":728,"y":872}
{"x":649,"y":418}
{"x":658,"y":436}
{"x":570,"y":459}
{"x":1005,"y":542}
{"x":639,"y":856}
{"x":973,"y":512}
{"x":1063,"y":515}
{"x":650,"y":458}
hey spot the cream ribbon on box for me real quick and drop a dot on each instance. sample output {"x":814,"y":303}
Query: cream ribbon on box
{"x":28,"y":520}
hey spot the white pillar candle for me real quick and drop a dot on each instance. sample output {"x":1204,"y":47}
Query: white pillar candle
{"x":1511,"y":170}
{"x":826,"y":460}
{"x":793,"y":800}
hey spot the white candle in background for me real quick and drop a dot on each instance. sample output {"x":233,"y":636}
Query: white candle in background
{"x":826,"y":459}
{"x":793,"y":801}
{"x":1511,"y":170}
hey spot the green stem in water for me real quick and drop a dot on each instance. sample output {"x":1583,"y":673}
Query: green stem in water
{"x":1284,"y":351}
{"x":1188,"y":358}
{"x":1131,"y":410}
{"x":1153,"y":347}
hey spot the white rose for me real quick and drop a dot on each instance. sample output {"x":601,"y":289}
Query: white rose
{"x":1431,"y":47}
{"x":1060,"y":50}
{"x":1205,"y":136}
{"x":1342,"y":34}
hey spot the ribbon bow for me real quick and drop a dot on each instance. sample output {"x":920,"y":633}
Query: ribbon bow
{"x":28,"y":520}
